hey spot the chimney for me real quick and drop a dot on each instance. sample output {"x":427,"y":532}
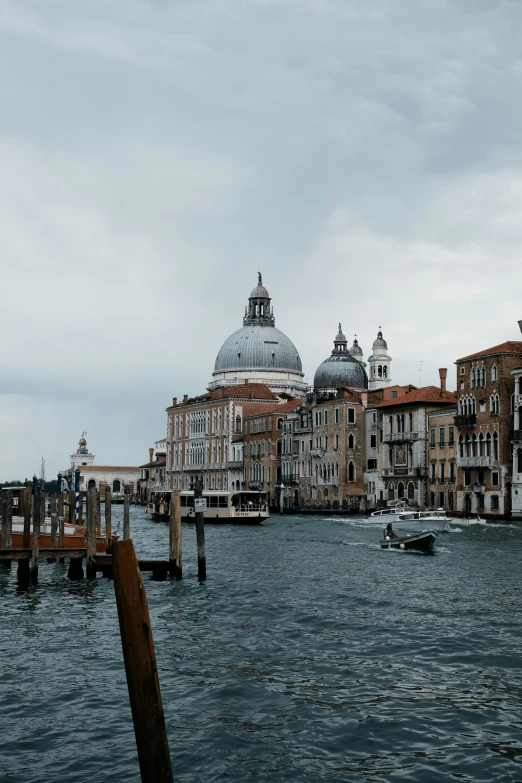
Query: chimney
{"x":185,"y":398}
{"x":174,"y":402}
{"x":443,"y":372}
{"x":151,"y":455}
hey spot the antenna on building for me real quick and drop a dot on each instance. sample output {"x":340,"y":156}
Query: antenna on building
{"x":420,"y":372}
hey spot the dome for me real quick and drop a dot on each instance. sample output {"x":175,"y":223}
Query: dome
{"x":380,"y":343}
{"x":259,"y":292}
{"x":258,"y":347}
{"x":356,"y":349}
{"x":340,"y":370}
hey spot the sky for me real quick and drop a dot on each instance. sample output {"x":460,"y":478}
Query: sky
{"x":365,"y":156}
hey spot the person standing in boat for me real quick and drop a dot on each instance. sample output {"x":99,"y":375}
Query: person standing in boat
{"x":389,"y":531}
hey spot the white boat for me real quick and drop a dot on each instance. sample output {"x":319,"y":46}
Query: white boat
{"x":468,"y":522}
{"x":405,"y":518}
{"x":243,"y":507}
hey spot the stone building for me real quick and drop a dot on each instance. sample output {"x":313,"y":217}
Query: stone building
{"x":441,"y":451}
{"x":516,"y":485}
{"x":484,"y":420}
{"x":153,"y":474}
{"x":403,"y":425}
{"x":116,"y":477}
{"x":265,"y":443}
{"x":259,"y":353}
{"x":205,"y":435}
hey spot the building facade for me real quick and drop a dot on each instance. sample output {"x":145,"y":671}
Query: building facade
{"x":117,"y":478}
{"x":441,"y":451}
{"x":516,"y":441}
{"x":484,"y":420}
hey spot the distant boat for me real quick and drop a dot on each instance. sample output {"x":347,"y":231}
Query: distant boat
{"x":406,"y":518}
{"x":468,"y":522}
{"x":421,"y":542}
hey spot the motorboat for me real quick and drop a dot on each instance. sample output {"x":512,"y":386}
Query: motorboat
{"x":73,"y":535}
{"x":406,"y":518}
{"x":468,"y":522}
{"x":420,"y":542}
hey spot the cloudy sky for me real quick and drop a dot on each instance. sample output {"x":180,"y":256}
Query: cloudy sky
{"x":365,"y":155}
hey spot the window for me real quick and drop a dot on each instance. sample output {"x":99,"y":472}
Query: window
{"x":494,"y":503}
{"x":394,"y":395}
{"x":442,"y":436}
{"x":462,"y":385}
{"x":351,"y":442}
{"x":441,"y":499}
{"x":480,"y":477}
{"x":442,"y":470}
{"x":351,"y":472}
{"x":452,"y":472}
{"x":467,"y":478}
{"x":463,"y":371}
{"x":433,"y":466}
{"x":280,"y":424}
{"x":238,"y":424}
{"x":326,"y":417}
{"x":336,"y":415}
{"x":351,"y":415}
{"x":451,"y":436}
{"x":318,"y":418}
{"x":373,"y":441}
{"x":432,"y":499}
{"x":372,"y":464}
{"x":432,"y":437}
{"x":494,"y":477}
{"x":494,"y":373}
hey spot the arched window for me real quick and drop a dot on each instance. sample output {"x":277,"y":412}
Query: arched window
{"x":494,"y":373}
{"x":351,"y":471}
{"x":474,"y":445}
{"x":468,"y":454}
{"x":461,"y":446}
{"x":279,"y":446}
{"x":488,"y":445}
{"x":481,"y":445}
{"x":116,"y":485}
{"x":483,"y":377}
{"x":238,"y":423}
{"x":379,"y":371}
{"x":91,"y":483}
{"x":391,"y":491}
{"x":384,"y":371}
{"x":400,"y":490}
{"x":473,"y":378}
{"x":351,"y":441}
{"x":411,"y":491}
{"x":410,"y":417}
{"x":495,"y":446}
{"x":280,"y":424}
{"x":391,"y":423}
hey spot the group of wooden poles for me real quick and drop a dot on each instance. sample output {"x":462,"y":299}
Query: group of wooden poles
{"x":62,"y":509}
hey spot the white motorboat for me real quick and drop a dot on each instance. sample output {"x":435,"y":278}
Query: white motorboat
{"x":468,"y":522}
{"x":405,"y":518}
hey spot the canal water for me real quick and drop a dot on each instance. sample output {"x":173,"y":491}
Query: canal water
{"x":308,"y":655}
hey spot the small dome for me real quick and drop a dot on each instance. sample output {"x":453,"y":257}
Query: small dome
{"x":82,"y":442}
{"x":380,"y":342}
{"x":259,"y":292}
{"x":340,"y":370}
{"x":356,"y":349}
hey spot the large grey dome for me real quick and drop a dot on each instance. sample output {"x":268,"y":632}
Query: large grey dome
{"x":258,"y":347}
{"x":340,"y":369}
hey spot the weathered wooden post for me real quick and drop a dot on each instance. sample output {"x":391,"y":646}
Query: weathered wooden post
{"x":38,"y":512}
{"x":175,"y":541}
{"x":140,"y":666}
{"x":126,"y":513}
{"x":23,"y":572}
{"x":98,"y":512}
{"x":3,"y":539}
{"x":80,"y":509}
{"x":200,"y":530}
{"x":6,"y":539}
{"x":54,"y":525}
{"x":108,"y":518}
{"x":90,"y":536}
{"x":9,"y":533}
{"x":75,"y":563}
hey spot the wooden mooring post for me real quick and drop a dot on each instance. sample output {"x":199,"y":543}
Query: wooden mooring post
{"x":200,"y":531}
{"x":75,"y":563}
{"x":23,"y":572}
{"x":175,"y":540}
{"x":7,"y":523}
{"x":108,"y":518}
{"x":38,"y":514}
{"x":54,"y":524}
{"x":90,"y":535}
{"x":140,"y":666}
{"x":126,"y":513}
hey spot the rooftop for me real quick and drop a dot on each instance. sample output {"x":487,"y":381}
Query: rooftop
{"x":511,"y":346}
{"x":428,"y":394}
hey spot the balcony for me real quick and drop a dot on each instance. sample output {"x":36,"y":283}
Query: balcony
{"x":255,"y":485}
{"x":317,"y":452}
{"x":234,"y":464}
{"x":465,"y":420}
{"x":474,"y":462}
{"x":396,"y":437}
{"x":399,"y":472}
{"x":479,"y":488}
{"x":290,"y":478}
{"x":318,"y":481}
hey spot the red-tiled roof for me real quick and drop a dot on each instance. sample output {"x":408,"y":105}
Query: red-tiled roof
{"x":284,"y":407}
{"x":428,"y":394}
{"x":511,"y":346}
{"x":159,"y":463}
{"x":243,"y":391}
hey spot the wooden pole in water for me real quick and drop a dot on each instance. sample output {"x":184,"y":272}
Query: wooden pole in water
{"x":200,"y":532}
{"x":90,"y":536}
{"x":175,"y":541}
{"x":108,"y":518}
{"x":3,"y":543}
{"x":28,"y":496}
{"x":80,"y":509}
{"x":126,"y":513}
{"x":7,"y":524}
{"x":140,"y":666}
{"x":9,"y":536}
{"x":38,"y":511}
{"x":54,"y":525}
{"x":98,"y":512}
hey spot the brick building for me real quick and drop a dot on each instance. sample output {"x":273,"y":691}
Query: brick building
{"x":205,"y":435}
{"x":484,"y":421}
{"x":441,"y":454}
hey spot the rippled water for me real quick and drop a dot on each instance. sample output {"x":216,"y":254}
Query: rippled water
{"x":309,"y":654}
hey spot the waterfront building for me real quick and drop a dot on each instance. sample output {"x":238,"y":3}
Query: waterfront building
{"x":102,"y":476}
{"x":441,"y":451}
{"x":153,"y":474}
{"x":516,"y":440}
{"x":336,"y":462}
{"x":484,"y":420}
{"x":403,"y":423}
{"x":205,"y":435}
{"x":379,"y":364}
{"x":259,"y":353}
{"x":266,"y":445}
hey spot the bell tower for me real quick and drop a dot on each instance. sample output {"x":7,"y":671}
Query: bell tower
{"x":379,"y":364}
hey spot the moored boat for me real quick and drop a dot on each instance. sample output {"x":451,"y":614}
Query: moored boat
{"x":74,"y":536}
{"x":421,"y":542}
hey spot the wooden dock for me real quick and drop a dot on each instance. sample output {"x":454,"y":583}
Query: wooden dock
{"x":31,"y":554}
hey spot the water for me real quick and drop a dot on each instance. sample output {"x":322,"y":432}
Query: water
{"x":308,"y":655}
